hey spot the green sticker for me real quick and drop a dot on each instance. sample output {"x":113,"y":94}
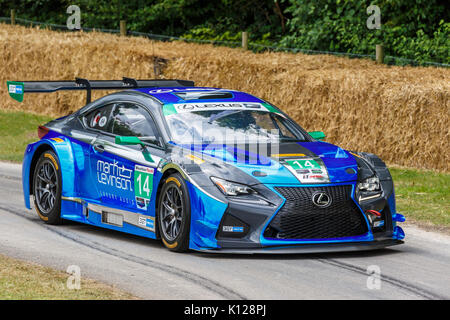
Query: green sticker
{"x":270,"y":108}
{"x":15,"y":90}
{"x":303,"y":164}
{"x":143,"y":181}
{"x":169,"y":109}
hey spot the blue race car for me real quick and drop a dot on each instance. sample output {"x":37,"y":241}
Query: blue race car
{"x":205,"y":169}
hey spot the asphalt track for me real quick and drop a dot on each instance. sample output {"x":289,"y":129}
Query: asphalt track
{"x":418,"y":269}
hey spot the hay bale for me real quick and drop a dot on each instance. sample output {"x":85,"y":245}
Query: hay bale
{"x":399,"y":113}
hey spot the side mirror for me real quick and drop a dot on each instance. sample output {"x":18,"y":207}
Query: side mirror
{"x":318,"y":135}
{"x":128,"y":140}
{"x":134,"y":141}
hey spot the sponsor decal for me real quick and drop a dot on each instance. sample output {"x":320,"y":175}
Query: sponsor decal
{"x":115,"y":197}
{"x":102,"y":121}
{"x":150,"y":224}
{"x":142,"y":203}
{"x":308,"y":170}
{"x":59,"y":140}
{"x":143,"y":185}
{"x":170,"y":108}
{"x":113,"y":175}
{"x":95,"y":120}
{"x":15,"y":90}
{"x":142,"y":221}
{"x":232,"y":229}
{"x":146,"y":222}
{"x":189,"y":107}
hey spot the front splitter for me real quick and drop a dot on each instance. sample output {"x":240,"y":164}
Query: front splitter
{"x":311,"y":248}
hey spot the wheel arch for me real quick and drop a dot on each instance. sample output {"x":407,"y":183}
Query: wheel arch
{"x":63,"y":150}
{"x":167,"y":171}
{"x":36,"y":155}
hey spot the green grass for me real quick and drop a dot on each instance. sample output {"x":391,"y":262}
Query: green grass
{"x":17,"y":130}
{"x":26,"y":281}
{"x":423,"y":195}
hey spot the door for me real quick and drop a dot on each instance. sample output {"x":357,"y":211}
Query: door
{"x":123,"y":178}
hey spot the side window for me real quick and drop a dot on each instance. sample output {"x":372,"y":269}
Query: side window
{"x":129,"y":119}
{"x":99,"y":118}
{"x":284,"y":131}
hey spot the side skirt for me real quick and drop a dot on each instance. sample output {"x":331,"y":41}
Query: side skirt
{"x":77,"y":209}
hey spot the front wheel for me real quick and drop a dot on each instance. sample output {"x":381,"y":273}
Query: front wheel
{"x":174,"y":213}
{"x":47,"y":188}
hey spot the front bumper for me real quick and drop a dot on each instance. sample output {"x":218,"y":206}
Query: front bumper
{"x":252,"y":220}
{"x":312,"y":248}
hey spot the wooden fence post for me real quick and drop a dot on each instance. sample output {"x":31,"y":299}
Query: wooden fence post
{"x":379,"y":53}
{"x":245,"y":40}
{"x":123,"y":28}
{"x":13,"y":16}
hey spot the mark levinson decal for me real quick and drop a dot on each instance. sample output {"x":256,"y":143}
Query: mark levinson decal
{"x":111,"y":174}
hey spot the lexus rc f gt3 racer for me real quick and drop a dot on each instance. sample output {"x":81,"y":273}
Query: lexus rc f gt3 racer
{"x":205,"y":169}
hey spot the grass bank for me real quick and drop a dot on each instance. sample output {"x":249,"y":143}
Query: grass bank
{"x":17,"y":129}
{"x":423,"y":196}
{"x":25,"y":281}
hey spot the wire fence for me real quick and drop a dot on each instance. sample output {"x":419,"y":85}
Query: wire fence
{"x":256,"y":47}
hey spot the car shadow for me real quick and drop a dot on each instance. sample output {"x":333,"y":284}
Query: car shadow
{"x":301,"y":256}
{"x":86,"y":229}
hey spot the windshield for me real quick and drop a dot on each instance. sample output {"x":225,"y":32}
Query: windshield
{"x":231,"y":126}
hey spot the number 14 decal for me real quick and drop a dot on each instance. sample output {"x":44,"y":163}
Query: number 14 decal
{"x":303,"y":164}
{"x":145,"y":187}
{"x":306,"y":164}
{"x":143,"y":181}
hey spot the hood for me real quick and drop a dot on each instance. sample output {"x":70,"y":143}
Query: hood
{"x":288,"y":163}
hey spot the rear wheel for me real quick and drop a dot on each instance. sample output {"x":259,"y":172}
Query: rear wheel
{"x":47,"y":188}
{"x":174,"y":213}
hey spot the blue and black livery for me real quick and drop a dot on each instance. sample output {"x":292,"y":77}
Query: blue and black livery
{"x":156,"y":160}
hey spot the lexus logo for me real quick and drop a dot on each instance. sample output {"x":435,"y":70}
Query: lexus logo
{"x":321,"y":199}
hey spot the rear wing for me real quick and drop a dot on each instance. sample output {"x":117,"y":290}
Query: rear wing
{"x":16,"y":89}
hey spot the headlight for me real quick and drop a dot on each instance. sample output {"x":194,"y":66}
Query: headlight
{"x":369,"y":184}
{"x":232,"y":188}
{"x":368,"y":189}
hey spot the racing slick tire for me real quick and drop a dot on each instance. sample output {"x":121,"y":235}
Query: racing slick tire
{"x":174,"y":213}
{"x":47,"y":185}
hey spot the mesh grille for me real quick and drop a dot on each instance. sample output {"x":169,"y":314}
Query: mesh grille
{"x":299,"y":218}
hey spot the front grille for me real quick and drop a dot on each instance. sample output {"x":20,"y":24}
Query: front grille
{"x":300,"y":218}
